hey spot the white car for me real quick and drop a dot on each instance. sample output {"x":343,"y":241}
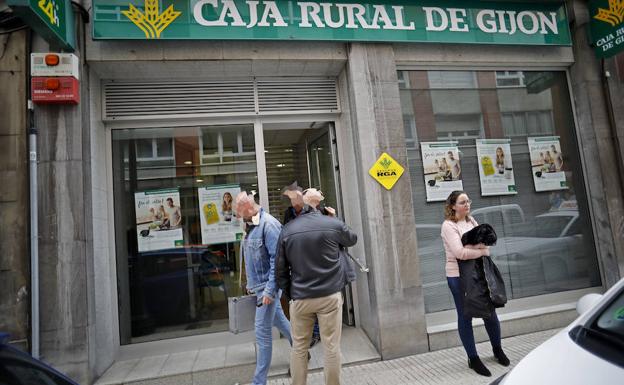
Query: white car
{"x":589,"y":351}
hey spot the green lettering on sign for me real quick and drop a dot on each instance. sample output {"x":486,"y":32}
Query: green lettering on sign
{"x":442,"y":21}
{"x":607,"y":26}
{"x":52,"y":19}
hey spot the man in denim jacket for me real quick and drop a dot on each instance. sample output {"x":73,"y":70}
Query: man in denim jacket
{"x":259,"y":248}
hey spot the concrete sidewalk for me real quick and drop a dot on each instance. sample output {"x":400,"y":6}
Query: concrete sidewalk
{"x":443,"y":367}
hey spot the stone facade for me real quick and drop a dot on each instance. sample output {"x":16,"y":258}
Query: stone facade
{"x":79,"y":320}
{"x":14,"y":221}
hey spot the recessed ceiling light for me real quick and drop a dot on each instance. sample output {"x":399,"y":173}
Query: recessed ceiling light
{"x":188,"y":162}
{"x":281,"y":165}
{"x":199,"y":180}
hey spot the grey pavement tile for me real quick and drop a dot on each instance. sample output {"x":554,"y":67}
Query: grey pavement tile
{"x":117,"y":372}
{"x":442,"y":367}
{"x":240,"y":354}
{"x":179,"y":363}
{"x":182,"y":379}
{"x":207,"y":359}
{"x":148,"y":367}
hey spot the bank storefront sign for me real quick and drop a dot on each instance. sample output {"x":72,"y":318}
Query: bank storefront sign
{"x":607,"y":26}
{"x":366,"y":20}
{"x":51,"y":19}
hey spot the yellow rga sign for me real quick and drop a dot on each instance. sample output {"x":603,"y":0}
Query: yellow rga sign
{"x":386,"y":171}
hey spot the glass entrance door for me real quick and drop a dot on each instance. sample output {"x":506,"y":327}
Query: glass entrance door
{"x":304,"y":153}
{"x":176,"y":238}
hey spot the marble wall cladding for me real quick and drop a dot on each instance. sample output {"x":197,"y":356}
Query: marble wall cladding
{"x":387,"y":236}
{"x":603,"y":180}
{"x":14,"y":196}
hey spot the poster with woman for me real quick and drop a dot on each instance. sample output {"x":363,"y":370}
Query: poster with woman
{"x":218,"y":222}
{"x":158,"y":219}
{"x":547,"y":163}
{"x":495,"y":167}
{"x":442,"y":169}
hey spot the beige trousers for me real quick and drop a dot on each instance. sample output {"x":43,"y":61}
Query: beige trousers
{"x":328,"y":310}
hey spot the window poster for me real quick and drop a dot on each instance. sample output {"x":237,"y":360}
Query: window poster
{"x":495,"y":167}
{"x":158,"y":219}
{"x":547,"y":163}
{"x":442,"y":169}
{"x":218,"y":222}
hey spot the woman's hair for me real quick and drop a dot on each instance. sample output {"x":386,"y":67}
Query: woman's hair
{"x":500,"y":159}
{"x":449,"y":212}
{"x":226,"y":205}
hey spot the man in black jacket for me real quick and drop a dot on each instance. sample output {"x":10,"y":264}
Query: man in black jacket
{"x":309,"y":270}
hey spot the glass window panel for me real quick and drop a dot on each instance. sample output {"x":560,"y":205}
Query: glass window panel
{"x":249,"y":142}
{"x":164,"y":148}
{"x":210,"y":142}
{"x":176,"y":236}
{"x":230,"y":142}
{"x":545,"y":243}
{"x":144,"y":148}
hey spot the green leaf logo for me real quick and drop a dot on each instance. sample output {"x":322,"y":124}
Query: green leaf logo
{"x":385,"y":163}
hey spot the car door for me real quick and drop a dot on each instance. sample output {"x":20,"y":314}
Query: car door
{"x":17,"y":368}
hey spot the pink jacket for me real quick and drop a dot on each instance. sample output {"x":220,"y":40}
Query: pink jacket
{"x":451,"y":236}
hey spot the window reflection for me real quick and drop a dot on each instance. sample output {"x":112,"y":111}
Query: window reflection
{"x":175,"y":280}
{"x":545,"y":239}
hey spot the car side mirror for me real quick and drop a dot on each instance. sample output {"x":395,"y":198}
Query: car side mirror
{"x":586,"y":302}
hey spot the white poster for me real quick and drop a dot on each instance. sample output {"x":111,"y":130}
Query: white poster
{"x":547,"y":163}
{"x":218,"y":221}
{"x":495,"y":167}
{"x":158,"y":219}
{"x":442,"y":169}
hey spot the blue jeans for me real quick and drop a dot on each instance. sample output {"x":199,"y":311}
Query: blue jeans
{"x":268,"y":316}
{"x":464,"y":325}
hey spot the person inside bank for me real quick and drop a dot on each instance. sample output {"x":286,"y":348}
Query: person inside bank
{"x":457,"y":222}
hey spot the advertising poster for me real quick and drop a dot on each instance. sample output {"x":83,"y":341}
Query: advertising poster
{"x":442,"y":169}
{"x":495,"y":167}
{"x":218,"y":222}
{"x":158,"y":219}
{"x":547,"y":163}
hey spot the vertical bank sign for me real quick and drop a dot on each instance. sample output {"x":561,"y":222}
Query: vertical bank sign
{"x":366,"y":20}
{"x":51,"y":19}
{"x":607,"y":26}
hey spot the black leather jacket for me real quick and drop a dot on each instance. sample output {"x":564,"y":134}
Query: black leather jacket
{"x":483,"y":287}
{"x":307,"y":264}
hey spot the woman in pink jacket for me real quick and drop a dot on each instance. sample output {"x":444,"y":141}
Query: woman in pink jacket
{"x":457,"y":222}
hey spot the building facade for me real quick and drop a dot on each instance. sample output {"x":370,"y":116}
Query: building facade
{"x":137,"y":239}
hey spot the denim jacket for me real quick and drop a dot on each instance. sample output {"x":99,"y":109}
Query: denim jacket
{"x":259,"y":249}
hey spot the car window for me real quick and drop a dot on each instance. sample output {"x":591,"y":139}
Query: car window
{"x":603,"y":335}
{"x":575,"y":228}
{"x":16,"y":372}
{"x":540,"y":227}
{"x":611,"y":321}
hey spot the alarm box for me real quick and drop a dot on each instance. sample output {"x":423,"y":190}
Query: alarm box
{"x":54,"y":64}
{"x":55,"y":90}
